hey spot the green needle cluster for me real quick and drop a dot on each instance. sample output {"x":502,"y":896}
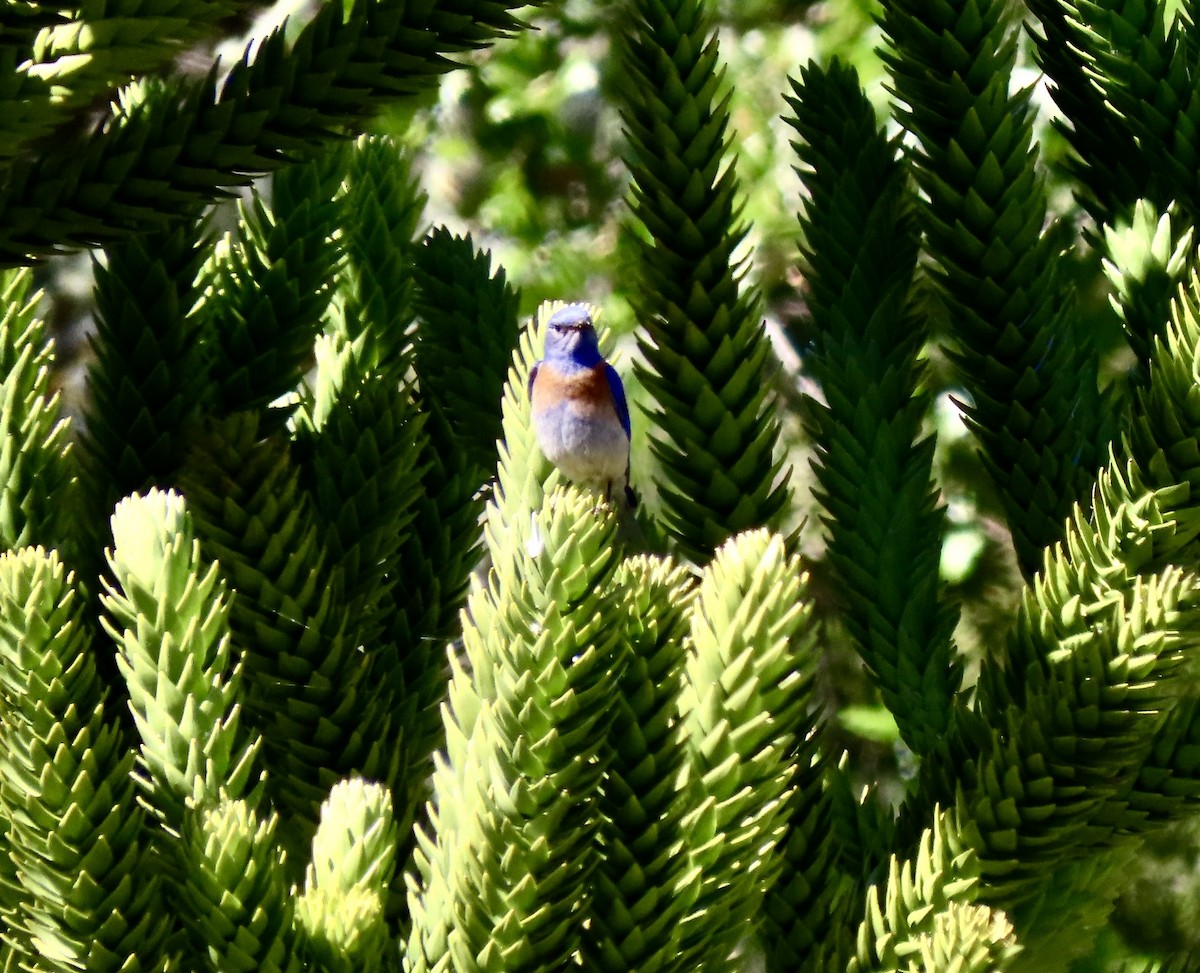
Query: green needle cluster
{"x":172,"y":146}
{"x":340,"y":913}
{"x":167,"y":612}
{"x":1079,"y":738}
{"x":707,"y":361}
{"x":266,"y":290}
{"x":378,"y":210}
{"x":74,"y":880}
{"x":81,"y":54}
{"x":644,"y":886}
{"x":306,"y":682}
{"x":512,"y":834}
{"x":1076,"y":44}
{"x":150,"y":375}
{"x":238,"y":909}
{"x":469,"y":327}
{"x":37,"y":464}
{"x":746,"y":707}
{"x":873,"y":465}
{"x":1147,"y":257}
{"x":1030,"y":378}
{"x":1125,"y":76}
{"x":924,"y":917}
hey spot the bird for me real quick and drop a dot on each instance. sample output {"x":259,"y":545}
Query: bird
{"x":580,"y":415}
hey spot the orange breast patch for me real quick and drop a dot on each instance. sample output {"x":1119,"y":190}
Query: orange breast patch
{"x":587,"y":390}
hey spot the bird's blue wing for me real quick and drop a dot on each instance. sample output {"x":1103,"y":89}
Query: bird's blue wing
{"x":532,"y":377}
{"x":618,"y":397}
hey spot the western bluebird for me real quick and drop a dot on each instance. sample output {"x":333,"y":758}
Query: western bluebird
{"x":580,"y":415}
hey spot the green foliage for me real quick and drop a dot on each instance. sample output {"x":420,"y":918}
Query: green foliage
{"x":876,"y":479}
{"x":636,"y":899}
{"x":37,"y":471}
{"x":924,"y":917}
{"x":340,"y":912}
{"x":237,"y":906}
{"x":81,"y":54}
{"x":706,"y":355}
{"x":77,"y":890}
{"x":312,"y":661}
{"x":750,"y":618}
{"x":171,"y":147}
{"x":470,"y":323}
{"x":150,"y":376}
{"x":266,"y":291}
{"x":1128,"y":72}
{"x":168,"y":614}
{"x":1030,"y":375}
{"x":376,"y":218}
{"x":258,"y":523}
{"x":1148,"y":257}
{"x":1112,"y":172}
{"x":808,"y":910}
{"x":527,"y":713}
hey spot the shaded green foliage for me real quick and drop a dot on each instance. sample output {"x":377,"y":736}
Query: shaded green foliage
{"x":396,"y":696}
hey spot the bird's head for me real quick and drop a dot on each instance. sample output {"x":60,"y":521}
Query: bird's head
{"x":571,"y":337}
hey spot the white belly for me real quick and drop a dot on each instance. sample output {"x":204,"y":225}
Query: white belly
{"x":586,"y":449}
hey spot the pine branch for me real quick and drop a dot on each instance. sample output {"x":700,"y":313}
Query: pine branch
{"x":1168,"y":780}
{"x":1140,"y":115}
{"x":87,"y":893}
{"x":502,"y":869}
{"x":1074,"y":743}
{"x":359,"y":433}
{"x":309,"y":691}
{"x":1059,"y":927}
{"x":150,"y":379}
{"x":38,"y":488}
{"x":362,"y":470}
{"x":340,"y":913}
{"x":168,"y":614}
{"x":466,"y":336}
{"x":267,"y":291}
{"x":171,"y":148}
{"x":1043,"y":775}
{"x":469,"y":328}
{"x":378,"y":217}
{"x":643,"y":887}
{"x":438,"y":550}
{"x":924,"y":915}
{"x":707,"y":358}
{"x":237,"y":906}
{"x":808,"y":909}
{"x":24,"y":99}
{"x":745,"y":709}
{"x":1109,"y":166}
{"x":1164,"y":437}
{"x":874,"y":469}
{"x":402,"y":504}
{"x":1032,"y":380}
{"x":1146,"y":261}
{"x":79,"y":55}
